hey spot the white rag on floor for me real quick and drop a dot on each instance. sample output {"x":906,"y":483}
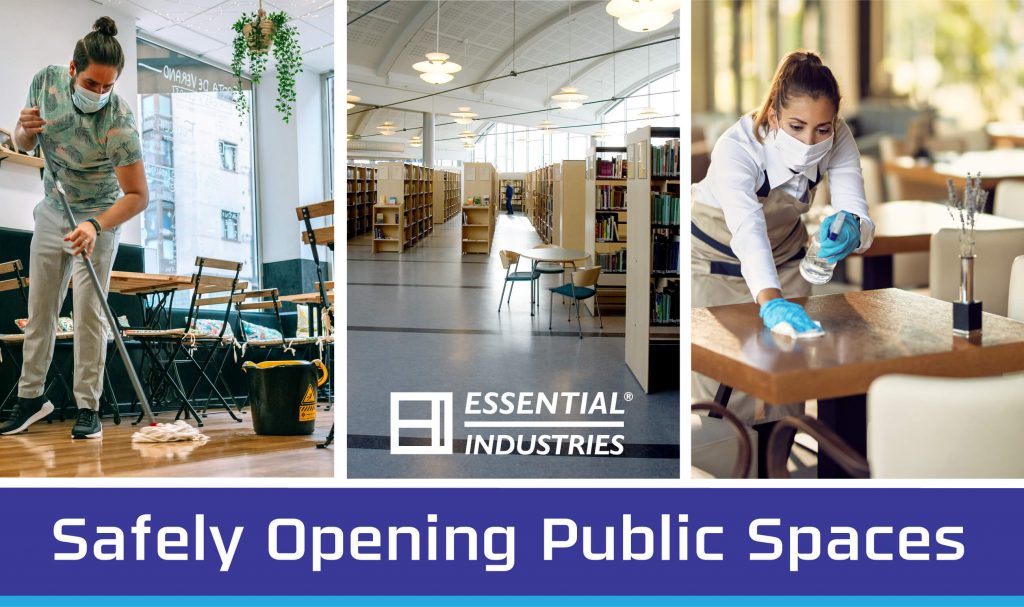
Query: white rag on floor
{"x":169,"y":433}
{"x":784,"y":328}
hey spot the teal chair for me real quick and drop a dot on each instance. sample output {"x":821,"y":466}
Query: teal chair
{"x":582,"y":286}
{"x":510,"y":261}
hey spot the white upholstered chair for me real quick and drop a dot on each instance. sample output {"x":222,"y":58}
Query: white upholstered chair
{"x":995,"y":250}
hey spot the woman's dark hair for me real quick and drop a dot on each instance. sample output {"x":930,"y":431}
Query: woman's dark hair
{"x":100,"y":46}
{"x":801,"y":73}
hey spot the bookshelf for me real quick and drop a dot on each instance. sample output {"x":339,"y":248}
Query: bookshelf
{"x":447,"y":195}
{"x":480,"y":206}
{"x":652,"y":266}
{"x":404,"y":212}
{"x":605,"y":224}
{"x":362,"y":194}
{"x":543,"y":201}
{"x":568,"y":205}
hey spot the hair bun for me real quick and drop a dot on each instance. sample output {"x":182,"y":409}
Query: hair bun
{"x":105,"y":26}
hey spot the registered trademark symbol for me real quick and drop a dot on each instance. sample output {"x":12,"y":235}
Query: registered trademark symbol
{"x":628,"y":396}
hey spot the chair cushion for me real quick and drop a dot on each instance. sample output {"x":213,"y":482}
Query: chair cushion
{"x":64,"y":324}
{"x":210,"y":328}
{"x":254,"y":332}
{"x":302,"y":321}
{"x":567,"y":290}
{"x":523,"y":276}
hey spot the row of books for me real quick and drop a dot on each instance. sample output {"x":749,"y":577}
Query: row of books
{"x":391,"y":217}
{"x":478,"y":201}
{"x":665,"y":159}
{"x":665,"y":209}
{"x":607,"y":230}
{"x":611,"y":197}
{"x":612,"y":262}
{"x":665,"y":254}
{"x":665,"y":307}
{"x":614,"y":168}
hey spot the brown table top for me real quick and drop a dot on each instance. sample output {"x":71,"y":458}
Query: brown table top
{"x":306,"y":298}
{"x":869,"y":334}
{"x":937,"y":174}
{"x":140,"y":283}
{"x":906,"y":226}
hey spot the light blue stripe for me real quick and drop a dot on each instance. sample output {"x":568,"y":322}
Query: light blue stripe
{"x":526,"y":601}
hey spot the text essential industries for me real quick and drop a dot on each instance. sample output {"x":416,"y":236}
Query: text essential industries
{"x":665,"y":538}
{"x":588,"y":435}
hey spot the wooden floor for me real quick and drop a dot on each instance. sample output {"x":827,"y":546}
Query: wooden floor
{"x":233,"y":450}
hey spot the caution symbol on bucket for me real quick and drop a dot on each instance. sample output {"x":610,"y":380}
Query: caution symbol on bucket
{"x":307,"y":410}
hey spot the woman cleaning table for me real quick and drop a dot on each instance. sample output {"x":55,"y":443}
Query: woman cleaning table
{"x":746,"y":233}
{"x":94,"y":160}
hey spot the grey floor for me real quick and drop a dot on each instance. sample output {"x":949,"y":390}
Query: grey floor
{"x":427,"y":320}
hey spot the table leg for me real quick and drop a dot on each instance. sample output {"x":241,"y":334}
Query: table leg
{"x":847,"y":417}
{"x":533,"y":286}
{"x":877,"y":272}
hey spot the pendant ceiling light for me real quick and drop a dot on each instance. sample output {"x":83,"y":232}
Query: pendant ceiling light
{"x":642,"y":15}
{"x":468,"y":145}
{"x":648,"y":114}
{"x":386,"y":128}
{"x":350,"y":100}
{"x":601,"y":133}
{"x":467,"y":135}
{"x":569,"y":98}
{"x":545,"y":124}
{"x":437,"y":69}
{"x":463,"y":116}
{"x":416,"y":141}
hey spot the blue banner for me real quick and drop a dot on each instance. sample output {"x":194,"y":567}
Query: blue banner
{"x":479,"y":542}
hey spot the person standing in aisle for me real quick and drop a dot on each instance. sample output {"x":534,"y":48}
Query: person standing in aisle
{"x":746,"y":233}
{"x":90,"y":140}
{"x":508,"y":198}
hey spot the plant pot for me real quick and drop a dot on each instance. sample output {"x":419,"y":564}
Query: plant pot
{"x":259,"y":35}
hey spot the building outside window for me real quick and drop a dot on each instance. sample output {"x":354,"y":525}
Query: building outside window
{"x":199,"y":159}
{"x":229,"y":225}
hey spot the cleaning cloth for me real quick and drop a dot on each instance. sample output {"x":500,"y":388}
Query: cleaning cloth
{"x":786,"y":329}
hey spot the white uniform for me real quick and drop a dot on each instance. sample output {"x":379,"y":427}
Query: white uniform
{"x":746,"y":232}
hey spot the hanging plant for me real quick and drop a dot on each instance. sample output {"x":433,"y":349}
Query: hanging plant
{"x":257,"y":35}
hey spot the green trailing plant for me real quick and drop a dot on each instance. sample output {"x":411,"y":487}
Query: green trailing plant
{"x":257,"y":35}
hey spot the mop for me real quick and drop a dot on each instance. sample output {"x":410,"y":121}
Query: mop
{"x":111,"y":318}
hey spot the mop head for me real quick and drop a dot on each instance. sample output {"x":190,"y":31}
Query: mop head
{"x":784,"y":328}
{"x":169,"y":433}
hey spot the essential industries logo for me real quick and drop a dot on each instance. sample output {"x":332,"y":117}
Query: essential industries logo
{"x":510,"y":423}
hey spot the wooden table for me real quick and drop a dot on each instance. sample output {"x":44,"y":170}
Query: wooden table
{"x":907,"y":226}
{"x":551,"y":255}
{"x":1006,"y":133}
{"x":994,"y":166}
{"x":869,"y":334}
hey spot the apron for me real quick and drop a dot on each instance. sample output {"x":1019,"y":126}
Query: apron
{"x":715,"y":277}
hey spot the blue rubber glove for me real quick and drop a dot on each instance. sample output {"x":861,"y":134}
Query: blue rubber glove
{"x":779,"y":310}
{"x":846,"y":242}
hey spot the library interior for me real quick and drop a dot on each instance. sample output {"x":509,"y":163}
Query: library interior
{"x":513,"y":239}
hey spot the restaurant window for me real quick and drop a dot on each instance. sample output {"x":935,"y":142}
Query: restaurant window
{"x":199,"y":158}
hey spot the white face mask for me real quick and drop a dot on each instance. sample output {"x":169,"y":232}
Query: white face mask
{"x":796,"y":154}
{"x":88,"y":101}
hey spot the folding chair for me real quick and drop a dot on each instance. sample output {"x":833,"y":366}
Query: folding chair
{"x":182,"y":345}
{"x":314,"y":237}
{"x":11,"y":278}
{"x":257,"y":338}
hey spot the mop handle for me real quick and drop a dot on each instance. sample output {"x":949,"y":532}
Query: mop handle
{"x":115,"y":327}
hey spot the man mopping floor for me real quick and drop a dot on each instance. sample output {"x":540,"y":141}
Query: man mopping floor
{"x":92,"y":149}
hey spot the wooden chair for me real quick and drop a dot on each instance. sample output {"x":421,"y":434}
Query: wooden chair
{"x":167,"y":349}
{"x":265,"y":299}
{"x":582,"y":286}
{"x":510,"y":261}
{"x":315,"y":237}
{"x":924,"y":427}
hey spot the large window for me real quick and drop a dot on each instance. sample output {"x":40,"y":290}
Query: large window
{"x":661,"y":94}
{"x":964,"y":58}
{"x":199,"y":161}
